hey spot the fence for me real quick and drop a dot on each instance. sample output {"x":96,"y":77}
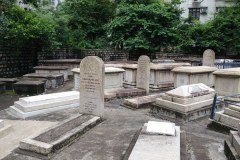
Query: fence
{"x":224,"y":65}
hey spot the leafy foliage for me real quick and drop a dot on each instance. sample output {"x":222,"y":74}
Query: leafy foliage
{"x":144,"y":28}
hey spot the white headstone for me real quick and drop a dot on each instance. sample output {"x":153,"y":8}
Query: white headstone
{"x":143,"y":73}
{"x":208,"y":58}
{"x":92,"y":86}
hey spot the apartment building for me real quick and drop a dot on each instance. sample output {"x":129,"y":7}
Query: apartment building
{"x":203,"y":10}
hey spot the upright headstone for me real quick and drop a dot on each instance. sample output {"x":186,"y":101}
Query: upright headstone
{"x":92,"y":86}
{"x":143,"y":73}
{"x":208,"y":58}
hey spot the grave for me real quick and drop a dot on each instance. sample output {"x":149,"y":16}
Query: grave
{"x":42,"y":104}
{"x":52,"y":70}
{"x":161,"y":76}
{"x":229,"y":117}
{"x":208,"y":58}
{"x":157,"y":141}
{"x":29,"y":87}
{"x":70,"y":63}
{"x":140,"y":102}
{"x":55,"y":138}
{"x":227,"y":81}
{"x":92,"y":86}
{"x":4,"y":129}
{"x":9,"y":82}
{"x":185,"y":103}
{"x":163,"y":61}
{"x":113,"y":78}
{"x":193,"y":75}
{"x":143,"y":73}
{"x":52,"y":80}
{"x":232,"y":145}
{"x":130,"y":75}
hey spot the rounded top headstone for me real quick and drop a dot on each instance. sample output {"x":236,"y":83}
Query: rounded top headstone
{"x":208,"y":58}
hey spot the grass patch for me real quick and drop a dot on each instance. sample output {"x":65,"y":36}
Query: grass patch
{"x":10,"y":92}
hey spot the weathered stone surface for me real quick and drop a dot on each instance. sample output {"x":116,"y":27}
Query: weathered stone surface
{"x":141,"y":102}
{"x":143,"y":73}
{"x":113,"y":77}
{"x":208,"y":58}
{"x":123,"y":92}
{"x":9,"y":82}
{"x":226,"y":119}
{"x":193,"y":75}
{"x":92,"y":86}
{"x":36,"y":105}
{"x":157,"y":147}
{"x":52,"y":70}
{"x":1,"y":124}
{"x":227,"y":81}
{"x":29,"y":87}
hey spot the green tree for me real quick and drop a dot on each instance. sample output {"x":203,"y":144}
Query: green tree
{"x":87,"y":20}
{"x":145,"y":27}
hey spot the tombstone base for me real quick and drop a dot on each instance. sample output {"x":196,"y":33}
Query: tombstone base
{"x":9,"y":82}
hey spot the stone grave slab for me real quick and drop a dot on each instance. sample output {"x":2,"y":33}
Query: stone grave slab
{"x":185,"y":103}
{"x":208,"y":58}
{"x":9,"y":82}
{"x":231,"y":77}
{"x":52,"y":70}
{"x":52,"y":80}
{"x":113,"y":78}
{"x":29,"y":87}
{"x":4,"y":129}
{"x":193,"y":75}
{"x":36,"y":105}
{"x":123,"y":92}
{"x":156,"y":147}
{"x":58,"y":136}
{"x":232,"y":145}
{"x":141,"y":102}
{"x":92,"y":86}
{"x":143,"y":73}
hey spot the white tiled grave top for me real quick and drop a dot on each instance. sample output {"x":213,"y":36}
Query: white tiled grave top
{"x":228,"y":72}
{"x":107,"y":70}
{"x":163,"y":128}
{"x":194,"y":69}
{"x":33,"y":100}
{"x":189,"y":91}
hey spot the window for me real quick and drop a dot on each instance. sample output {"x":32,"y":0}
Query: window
{"x":194,"y":13}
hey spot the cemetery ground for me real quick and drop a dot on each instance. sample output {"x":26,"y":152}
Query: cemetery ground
{"x":111,"y":139}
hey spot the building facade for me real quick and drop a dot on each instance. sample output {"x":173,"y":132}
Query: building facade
{"x":203,"y":10}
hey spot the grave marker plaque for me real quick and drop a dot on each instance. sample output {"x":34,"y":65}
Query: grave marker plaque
{"x":143,"y":73}
{"x":92,"y":86}
{"x":208,"y":58}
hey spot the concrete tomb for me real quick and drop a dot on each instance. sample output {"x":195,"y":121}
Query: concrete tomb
{"x":232,"y":145}
{"x":52,"y":70}
{"x":157,"y":141}
{"x":143,"y":73}
{"x":185,"y":103}
{"x":9,"y":82}
{"x":92,"y":86}
{"x":113,"y":78}
{"x":229,"y":117}
{"x":54,"y":138}
{"x":208,"y":58}
{"x":70,"y":63}
{"x":28,"y":87}
{"x":130,"y":75}
{"x":227,"y":81}
{"x":37,"y":105}
{"x":193,"y":75}
{"x":51,"y":80}
{"x":161,"y":76}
